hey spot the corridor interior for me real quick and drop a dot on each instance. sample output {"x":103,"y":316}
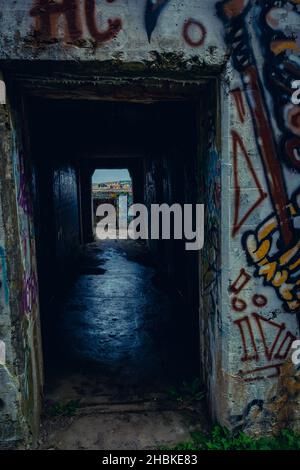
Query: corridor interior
{"x":119,"y":317}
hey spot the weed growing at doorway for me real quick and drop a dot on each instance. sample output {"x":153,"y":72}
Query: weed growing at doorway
{"x":56,"y":408}
{"x":188,"y":392}
{"x":223,"y":439}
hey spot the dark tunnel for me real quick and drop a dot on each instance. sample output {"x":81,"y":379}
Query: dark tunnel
{"x":118,"y":317}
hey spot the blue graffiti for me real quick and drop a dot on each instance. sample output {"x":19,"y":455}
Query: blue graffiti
{"x":153,"y":11}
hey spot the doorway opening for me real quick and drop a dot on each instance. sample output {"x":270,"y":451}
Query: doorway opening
{"x":113,"y":187}
{"x":120,"y":318}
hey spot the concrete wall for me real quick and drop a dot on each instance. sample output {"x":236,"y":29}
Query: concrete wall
{"x":260,"y":207}
{"x":66,"y":218}
{"x":21,"y":358}
{"x":254,"y":299}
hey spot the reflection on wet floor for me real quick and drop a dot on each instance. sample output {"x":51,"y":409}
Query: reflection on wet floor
{"x":118,"y":333}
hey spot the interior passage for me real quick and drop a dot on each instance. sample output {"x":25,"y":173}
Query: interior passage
{"x":118,"y":332}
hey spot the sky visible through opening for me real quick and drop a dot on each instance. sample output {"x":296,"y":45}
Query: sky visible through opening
{"x":107,"y":176}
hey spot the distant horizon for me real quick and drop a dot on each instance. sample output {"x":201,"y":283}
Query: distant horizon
{"x":110,"y":176}
{"x":113,"y":181}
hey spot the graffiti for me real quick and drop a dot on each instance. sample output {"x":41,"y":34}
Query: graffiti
{"x":280,"y":47}
{"x":240,"y":282}
{"x":212,"y":265}
{"x":114,"y":26}
{"x":259,"y":300}
{"x":233,"y":14}
{"x":47,"y":14}
{"x":30,"y":293}
{"x":255,"y":406}
{"x":296,"y":94}
{"x":262,"y":338}
{"x":211,"y":253}
{"x":194,"y":33}
{"x":273,"y":248}
{"x":278,"y":405}
{"x":279,"y":269}
{"x":240,"y":220}
{"x":152,"y":13}
{"x":246,"y":327}
{"x":24,"y":198}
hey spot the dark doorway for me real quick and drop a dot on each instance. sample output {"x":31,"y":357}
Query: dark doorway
{"x":119,"y":318}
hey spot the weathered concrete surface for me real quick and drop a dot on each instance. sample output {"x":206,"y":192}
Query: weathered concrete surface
{"x":25,"y":37}
{"x":119,"y":353}
{"x":121,"y":430}
{"x":21,"y":361}
{"x":118,"y":329}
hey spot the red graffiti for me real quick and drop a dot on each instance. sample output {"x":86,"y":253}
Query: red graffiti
{"x":239,"y":220}
{"x":255,"y":374}
{"x":259,"y":300}
{"x":201,"y":31}
{"x":238,"y":305}
{"x":292,"y":151}
{"x":249,"y":345}
{"x":241,"y":282}
{"x":268,"y":150}
{"x":47,"y":13}
{"x":276,"y":343}
{"x":263,"y":323}
{"x":114,"y":26}
{"x":261,"y":338}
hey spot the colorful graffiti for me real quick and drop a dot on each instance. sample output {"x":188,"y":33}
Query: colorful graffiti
{"x":47,"y":13}
{"x":280,"y":48}
{"x":234,"y":14}
{"x":30,"y":293}
{"x":281,"y":269}
{"x":211,"y":252}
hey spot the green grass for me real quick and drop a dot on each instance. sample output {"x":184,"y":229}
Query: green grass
{"x":222,"y":439}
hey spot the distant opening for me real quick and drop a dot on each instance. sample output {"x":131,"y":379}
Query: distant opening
{"x":112,"y":187}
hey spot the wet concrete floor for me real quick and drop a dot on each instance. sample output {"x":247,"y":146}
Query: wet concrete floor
{"x":119,"y":351}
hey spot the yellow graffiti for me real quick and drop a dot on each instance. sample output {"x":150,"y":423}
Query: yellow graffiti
{"x":278,"y":268}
